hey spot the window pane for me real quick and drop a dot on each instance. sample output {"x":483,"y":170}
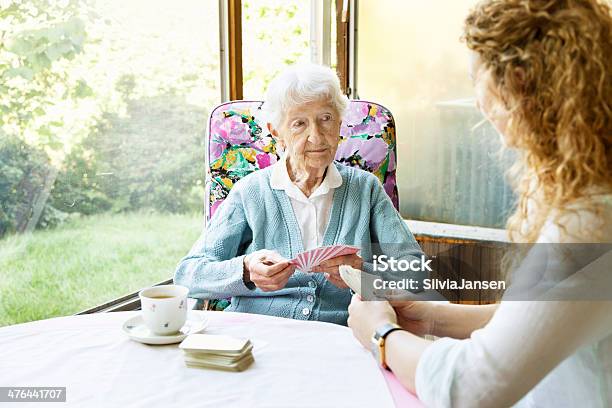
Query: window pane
{"x":275,"y":34}
{"x":101,"y":129}
{"x":447,"y":172}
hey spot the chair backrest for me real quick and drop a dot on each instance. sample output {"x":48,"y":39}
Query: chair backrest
{"x":238,"y":142}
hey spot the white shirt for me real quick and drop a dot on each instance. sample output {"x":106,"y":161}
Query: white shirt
{"x":311,"y":213}
{"x":532,"y":353}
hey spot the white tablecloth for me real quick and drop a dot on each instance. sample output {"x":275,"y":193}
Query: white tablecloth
{"x":297,"y":364}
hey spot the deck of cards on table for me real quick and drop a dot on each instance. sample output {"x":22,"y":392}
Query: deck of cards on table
{"x":307,"y":260}
{"x":217,"y":351}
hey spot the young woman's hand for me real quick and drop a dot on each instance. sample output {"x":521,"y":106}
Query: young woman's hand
{"x":413,"y":314}
{"x":418,"y":317}
{"x":439,"y":318}
{"x":267,"y":269}
{"x":367,"y":316}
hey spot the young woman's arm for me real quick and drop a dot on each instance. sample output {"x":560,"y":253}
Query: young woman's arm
{"x":459,"y":321}
{"x":509,"y":356}
{"x":499,"y":364}
{"x":442,"y":319}
{"x":403,"y":348}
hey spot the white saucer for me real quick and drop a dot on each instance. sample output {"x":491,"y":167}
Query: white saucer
{"x":137,"y":331}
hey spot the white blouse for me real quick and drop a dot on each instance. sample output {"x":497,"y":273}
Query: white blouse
{"x":532,"y":353}
{"x":311,"y":213}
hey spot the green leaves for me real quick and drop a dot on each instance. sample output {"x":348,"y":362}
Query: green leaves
{"x":82,"y":90}
{"x":33,"y":69}
{"x":22,"y":172}
{"x":23,"y":72}
{"x":38,"y":49}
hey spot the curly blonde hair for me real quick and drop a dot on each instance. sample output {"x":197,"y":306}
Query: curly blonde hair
{"x":550,"y":62}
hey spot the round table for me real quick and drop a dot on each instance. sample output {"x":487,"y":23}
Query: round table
{"x":297,"y":364}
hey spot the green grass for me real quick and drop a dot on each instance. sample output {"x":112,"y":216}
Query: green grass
{"x":89,"y":261}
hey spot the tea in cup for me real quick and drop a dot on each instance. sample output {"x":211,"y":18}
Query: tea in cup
{"x":164,"y":308}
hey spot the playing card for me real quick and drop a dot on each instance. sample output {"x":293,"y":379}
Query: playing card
{"x":307,"y":260}
{"x":326,"y":253}
{"x":213,"y":343}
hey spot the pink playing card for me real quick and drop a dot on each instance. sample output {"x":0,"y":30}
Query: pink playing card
{"x":307,"y":260}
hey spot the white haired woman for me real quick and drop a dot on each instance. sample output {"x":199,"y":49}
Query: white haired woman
{"x":304,"y":201}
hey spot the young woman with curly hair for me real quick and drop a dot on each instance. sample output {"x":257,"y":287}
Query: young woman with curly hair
{"x":541,"y":73}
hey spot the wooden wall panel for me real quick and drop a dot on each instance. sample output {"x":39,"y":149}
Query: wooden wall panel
{"x":471,"y":260}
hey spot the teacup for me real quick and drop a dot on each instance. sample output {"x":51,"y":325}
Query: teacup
{"x":164,"y":308}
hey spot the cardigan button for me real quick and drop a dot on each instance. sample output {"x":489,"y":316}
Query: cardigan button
{"x":310,"y":298}
{"x":305,"y":311}
{"x":312,"y":284}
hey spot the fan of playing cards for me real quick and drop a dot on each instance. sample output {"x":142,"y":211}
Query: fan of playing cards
{"x":307,"y":260}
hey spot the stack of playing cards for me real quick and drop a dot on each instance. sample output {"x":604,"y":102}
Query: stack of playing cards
{"x":216,"y":351}
{"x":307,"y":260}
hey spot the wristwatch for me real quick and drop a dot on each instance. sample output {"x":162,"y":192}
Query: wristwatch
{"x":378,"y":342}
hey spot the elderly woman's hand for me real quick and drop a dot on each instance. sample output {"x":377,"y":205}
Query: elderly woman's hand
{"x":267,"y":270}
{"x":367,"y":316}
{"x":331,"y":268}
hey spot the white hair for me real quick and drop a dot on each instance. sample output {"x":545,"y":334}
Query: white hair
{"x":301,"y":84}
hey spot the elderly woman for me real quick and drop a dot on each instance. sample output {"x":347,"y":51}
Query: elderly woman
{"x":303,"y":201}
{"x":541,"y":72}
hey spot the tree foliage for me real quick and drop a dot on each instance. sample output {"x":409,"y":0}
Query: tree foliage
{"x":125,"y":165}
{"x":110,"y":98}
{"x":38,"y":40}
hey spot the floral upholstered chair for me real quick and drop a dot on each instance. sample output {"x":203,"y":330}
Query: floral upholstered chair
{"x":238,"y":143}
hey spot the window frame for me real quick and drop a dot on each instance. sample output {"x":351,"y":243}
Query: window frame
{"x":346,"y":46}
{"x":230,"y":43}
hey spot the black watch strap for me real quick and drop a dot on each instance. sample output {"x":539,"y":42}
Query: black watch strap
{"x":384,"y":330}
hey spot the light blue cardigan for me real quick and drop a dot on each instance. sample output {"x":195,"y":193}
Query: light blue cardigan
{"x":254,"y":216}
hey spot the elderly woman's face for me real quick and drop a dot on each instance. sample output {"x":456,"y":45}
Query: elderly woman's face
{"x":309,"y":133}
